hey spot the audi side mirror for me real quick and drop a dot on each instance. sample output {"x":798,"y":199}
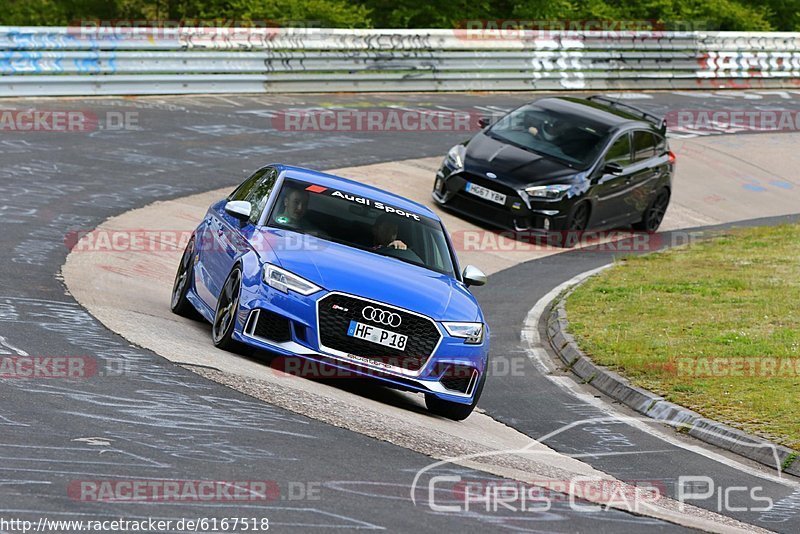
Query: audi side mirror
{"x":473,"y":276}
{"x":239,"y":208}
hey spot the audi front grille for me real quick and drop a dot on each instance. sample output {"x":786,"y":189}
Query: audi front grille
{"x":335,"y":311}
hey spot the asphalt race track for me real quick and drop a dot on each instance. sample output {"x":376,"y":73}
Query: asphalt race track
{"x":154,"y":420}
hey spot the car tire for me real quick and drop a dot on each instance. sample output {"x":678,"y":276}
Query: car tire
{"x":225,"y":315}
{"x":180,"y":304}
{"x":653,"y":216}
{"x":454,"y":410}
{"x":576,"y":226}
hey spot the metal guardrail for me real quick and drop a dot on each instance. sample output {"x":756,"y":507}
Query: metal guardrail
{"x":38,"y":61}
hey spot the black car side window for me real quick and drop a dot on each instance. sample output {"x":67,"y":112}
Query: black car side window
{"x":661,"y":145}
{"x":241,"y":192}
{"x":644,"y":145}
{"x":620,"y":151}
{"x":259,"y":195}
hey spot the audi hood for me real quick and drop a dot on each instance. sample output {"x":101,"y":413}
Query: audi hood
{"x":336,"y":267}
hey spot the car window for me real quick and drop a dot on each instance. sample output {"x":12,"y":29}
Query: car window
{"x":363,"y":223}
{"x":258,"y":196}
{"x":661,"y":145}
{"x":571,"y":138}
{"x":241,"y":192}
{"x":644,"y":145}
{"x":620,"y":151}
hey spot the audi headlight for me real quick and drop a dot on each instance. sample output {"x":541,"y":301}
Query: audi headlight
{"x":455,"y":158}
{"x":471,"y":332}
{"x":548,"y":192}
{"x":283,"y":280}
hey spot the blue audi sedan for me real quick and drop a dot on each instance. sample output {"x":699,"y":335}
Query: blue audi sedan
{"x":309,"y":265}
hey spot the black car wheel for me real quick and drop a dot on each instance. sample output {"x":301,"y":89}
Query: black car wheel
{"x":654,"y":214}
{"x":577,"y":223}
{"x":453,"y":410}
{"x":227,"y":308}
{"x":579,"y":220}
{"x":180,"y":304}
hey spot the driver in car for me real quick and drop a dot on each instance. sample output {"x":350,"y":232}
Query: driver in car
{"x":548,"y":130}
{"x":384,"y":233}
{"x":293,"y":211}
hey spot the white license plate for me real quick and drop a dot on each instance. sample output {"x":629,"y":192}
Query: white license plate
{"x":387,"y":338}
{"x":483,"y":192}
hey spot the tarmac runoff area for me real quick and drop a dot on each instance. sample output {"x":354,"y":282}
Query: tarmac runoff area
{"x":718,"y":179}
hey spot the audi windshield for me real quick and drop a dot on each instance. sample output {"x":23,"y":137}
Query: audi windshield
{"x":362,"y":223}
{"x":571,"y":139}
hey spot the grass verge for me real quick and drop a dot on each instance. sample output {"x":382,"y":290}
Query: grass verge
{"x":714,"y":326}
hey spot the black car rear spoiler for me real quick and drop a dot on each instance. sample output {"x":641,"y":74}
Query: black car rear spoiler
{"x":659,"y":122}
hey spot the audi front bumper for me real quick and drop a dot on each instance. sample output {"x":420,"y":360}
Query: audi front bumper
{"x":288,"y":324}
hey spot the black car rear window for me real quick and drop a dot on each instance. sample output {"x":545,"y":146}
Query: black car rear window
{"x":570,"y":138}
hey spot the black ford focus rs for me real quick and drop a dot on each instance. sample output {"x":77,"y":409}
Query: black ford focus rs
{"x":562,"y":165}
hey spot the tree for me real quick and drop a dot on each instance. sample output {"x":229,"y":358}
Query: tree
{"x":740,"y":15}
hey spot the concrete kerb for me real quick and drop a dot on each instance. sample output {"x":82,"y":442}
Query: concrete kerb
{"x":654,"y":406}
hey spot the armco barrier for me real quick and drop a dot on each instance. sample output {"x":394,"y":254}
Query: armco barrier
{"x":38,"y":61}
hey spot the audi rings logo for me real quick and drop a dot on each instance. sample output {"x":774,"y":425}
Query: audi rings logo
{"x":382,"y":316}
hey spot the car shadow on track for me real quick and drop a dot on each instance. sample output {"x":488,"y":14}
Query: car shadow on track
{"x":315,"y":372}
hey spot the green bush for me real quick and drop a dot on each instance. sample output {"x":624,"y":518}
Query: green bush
{"x":741,"y":15}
